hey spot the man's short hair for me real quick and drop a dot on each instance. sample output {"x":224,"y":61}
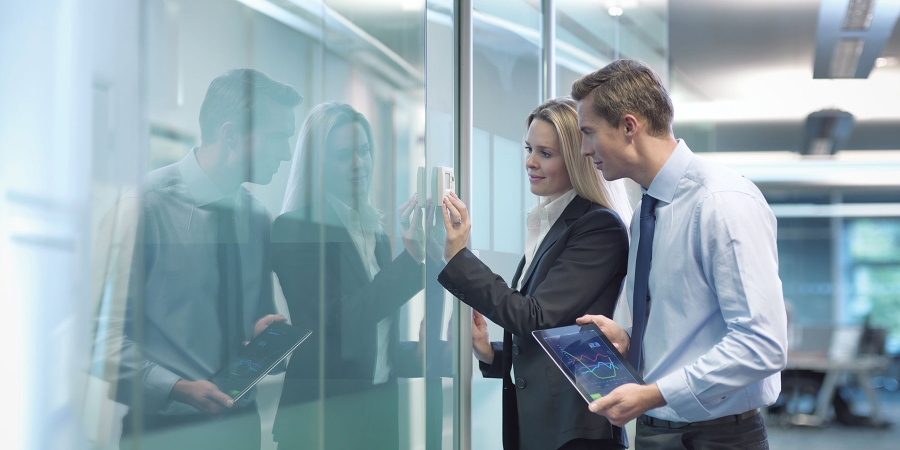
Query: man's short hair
{"x":234,"y":97}
{"x":628,"y":86}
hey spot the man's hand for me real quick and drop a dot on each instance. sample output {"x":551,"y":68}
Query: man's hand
{"x":203,"y":395}
{"x":481,"y":344}
{"x":264,"y":323}
{"x":627,"y":402}
{"x":610,"y":329}
{"x":457,"y":224}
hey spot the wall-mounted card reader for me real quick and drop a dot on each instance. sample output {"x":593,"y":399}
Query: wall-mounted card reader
{"x":442,"y":183}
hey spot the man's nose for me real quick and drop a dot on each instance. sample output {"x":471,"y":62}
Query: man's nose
{"x":586,"y":149}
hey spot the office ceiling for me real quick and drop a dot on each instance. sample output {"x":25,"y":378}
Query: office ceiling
{"x":742,"y":78}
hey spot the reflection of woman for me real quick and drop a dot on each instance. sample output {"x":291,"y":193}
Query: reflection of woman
{"x":333,"y":261}
{"x":574,"y":263}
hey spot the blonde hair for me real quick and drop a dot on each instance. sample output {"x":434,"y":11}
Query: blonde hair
{"x":306,"y":181}
{"x":587,"y":181}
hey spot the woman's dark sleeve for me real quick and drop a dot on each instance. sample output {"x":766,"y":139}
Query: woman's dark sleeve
{"x":310,"y":275}
{"x":595,"y":255}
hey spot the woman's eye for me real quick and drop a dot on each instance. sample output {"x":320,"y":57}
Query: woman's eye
{"x":528,"y":150}
{"x":545,"y":154}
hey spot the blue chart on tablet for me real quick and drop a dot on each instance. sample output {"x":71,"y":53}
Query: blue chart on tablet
{"x":589,"y":359}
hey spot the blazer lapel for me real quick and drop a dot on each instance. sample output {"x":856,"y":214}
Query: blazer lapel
{"x":573,"y":211}
{"x":341,"y":236}
{"x":518,"y":271}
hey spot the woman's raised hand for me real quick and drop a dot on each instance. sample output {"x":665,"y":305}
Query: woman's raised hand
{"x":457,"y":224}
{"x":411,"y":228}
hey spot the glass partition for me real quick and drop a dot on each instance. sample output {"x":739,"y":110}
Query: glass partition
{"x":255,"y":203}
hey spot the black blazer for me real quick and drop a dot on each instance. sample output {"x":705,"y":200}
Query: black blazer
{"x":578,"y":269}
{"x":327,"y":289}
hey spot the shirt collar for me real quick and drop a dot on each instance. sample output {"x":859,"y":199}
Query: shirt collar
{"x":202,"y":189}
{"x":368,"y":218}
{"x":554,"y":208}
{"x":666,"y":181}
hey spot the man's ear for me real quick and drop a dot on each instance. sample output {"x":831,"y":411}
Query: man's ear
{"x":229,"y":135}
{"x":630,"y":124}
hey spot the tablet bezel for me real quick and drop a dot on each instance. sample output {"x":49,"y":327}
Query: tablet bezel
{"x":298,"y":333}
{"x":572,"y":329}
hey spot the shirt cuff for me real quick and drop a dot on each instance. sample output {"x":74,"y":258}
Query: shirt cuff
{"x":678,"y":395}
{"x":157,"y":387}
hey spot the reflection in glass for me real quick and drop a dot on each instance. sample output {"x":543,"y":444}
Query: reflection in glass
{"x":188,"y":276}
{"x":337,"y":271}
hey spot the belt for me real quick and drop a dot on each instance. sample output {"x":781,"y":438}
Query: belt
{"x":659,"y":423}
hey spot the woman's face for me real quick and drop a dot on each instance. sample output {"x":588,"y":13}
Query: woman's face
{"x":348,"y":162}
{"x":544,"y":162}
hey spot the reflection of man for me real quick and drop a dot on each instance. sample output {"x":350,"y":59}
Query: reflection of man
{"x":709,"y":309}
{"x":191,"y":248}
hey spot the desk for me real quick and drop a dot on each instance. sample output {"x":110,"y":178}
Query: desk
{"x":861,"y":366}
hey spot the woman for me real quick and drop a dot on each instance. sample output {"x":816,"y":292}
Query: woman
{"x":333,"y":261}
{"x":575,"y":260}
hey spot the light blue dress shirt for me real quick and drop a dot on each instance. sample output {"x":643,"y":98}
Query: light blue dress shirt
{"x":716,"y":337}
{"x":169,"y":267}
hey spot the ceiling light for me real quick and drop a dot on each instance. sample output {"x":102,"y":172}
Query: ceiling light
{"x":859,"y":15}
{"x":615,"y":11}
{"x":846,"y":57}
{"x":889,"y":61}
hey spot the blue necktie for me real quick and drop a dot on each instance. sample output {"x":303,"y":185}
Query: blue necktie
{"x":640,"y":302}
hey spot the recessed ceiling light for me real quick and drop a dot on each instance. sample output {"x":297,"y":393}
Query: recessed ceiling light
{"x":859,"y":15}
{"x":615,"y":11}
{"x":889,"y":61}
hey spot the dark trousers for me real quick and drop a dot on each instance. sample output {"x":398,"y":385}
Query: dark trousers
{"x":745,"y":434}
{"x":239,"y":430}
{"x":591,"y":444}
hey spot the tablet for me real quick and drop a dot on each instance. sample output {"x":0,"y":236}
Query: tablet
{"x":258,"y":358}
{"x":587,"y":359}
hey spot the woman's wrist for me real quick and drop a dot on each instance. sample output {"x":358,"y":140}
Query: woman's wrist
{"x":485,"y":355}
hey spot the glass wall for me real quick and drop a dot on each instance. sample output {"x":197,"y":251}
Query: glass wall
{"x":345,"y":257}
{"x":180,"y":178}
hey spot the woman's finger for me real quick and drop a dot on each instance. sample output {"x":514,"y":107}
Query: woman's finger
{"x":460,"y":207}
{"x":452,"y":212}
{"x":406,"y":204}
{"x":416,"y":215}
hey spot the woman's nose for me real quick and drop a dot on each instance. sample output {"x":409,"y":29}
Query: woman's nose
{"x":530,"y":162}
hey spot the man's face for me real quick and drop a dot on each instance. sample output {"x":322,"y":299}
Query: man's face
{"x":602,"y":142}
{"x":267,"y":145}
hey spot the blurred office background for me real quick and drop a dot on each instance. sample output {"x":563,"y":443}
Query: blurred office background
{"x":800,"y":96}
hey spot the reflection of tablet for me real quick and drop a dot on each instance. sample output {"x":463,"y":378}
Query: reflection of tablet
{"x":588,"y":359}
{"x":258,"y":358}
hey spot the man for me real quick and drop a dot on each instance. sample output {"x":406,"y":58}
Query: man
{"x":709,"y":331}
{"x":189,"y":277}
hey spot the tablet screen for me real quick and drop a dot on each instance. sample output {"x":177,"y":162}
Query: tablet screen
{"x":588,"y":357}
{"x":258,"y":358}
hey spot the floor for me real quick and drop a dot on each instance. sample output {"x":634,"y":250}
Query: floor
{"x":835,"y":436}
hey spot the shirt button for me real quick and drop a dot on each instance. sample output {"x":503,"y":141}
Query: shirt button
{"x":515,"y":349}
{"x":461,"y":296}
{"x":520,"y":383}
{"x":455,"y":292}
{"x":449,"y":286}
